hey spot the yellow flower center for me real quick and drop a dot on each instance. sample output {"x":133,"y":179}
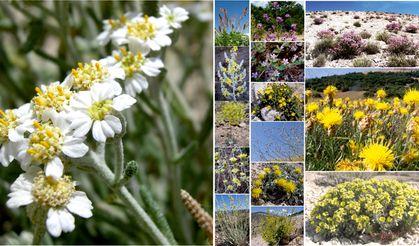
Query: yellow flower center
{"x":45,"y":142}
{"x":99,"y":110}
{"x":130,"y":63}
{"x":52,"y":193}
{"x":7,"y":121}
{"x":143,"y":30}
{"x":117,"y":23}
{"x":55,"y":97}
{"x":88,"y":74}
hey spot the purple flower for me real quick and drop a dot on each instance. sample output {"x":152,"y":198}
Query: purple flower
{"x":255,"y":75}
{"x":293,"y":26}
{"x":287,"y":16}
{"x":285,"y":61}
{"x":256,"y":36}
{"x":275,"y":4}
{"x":279,"y":20}
{"x":259,"y":26}
{"x":286,"y":35}
{"x":271,"y":37}
{"x":293,"y":38}
{"x":266,"y":17}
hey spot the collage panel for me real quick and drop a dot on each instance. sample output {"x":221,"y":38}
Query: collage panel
{"x":231,"y":124}
{"x":361,"y":208}
{"x":362,"y":33}
{"x":362,"y":119}
{"x":277,"y":226}
{"x":231,"y":170}
{"x":277,"y":62}
{"x":277,"y":21}
{"x":277,"y":101}
{"x":277,"y":184}
{"x":277,"y":142}
{"x":232,"y":73}
{"x":231,"y":23}
{"x":232,"y":220}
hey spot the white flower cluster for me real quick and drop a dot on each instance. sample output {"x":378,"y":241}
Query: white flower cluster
{"x":232,"y":76}
{"x":54,"y":127}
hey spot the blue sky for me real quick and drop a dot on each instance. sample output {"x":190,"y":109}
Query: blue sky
{"x":278,"y":210}
{"x":240,"y":202}
{"x":403,"y":7}
{"x":321,"y":72}
{"x":277,"y":141}
{"x":233,"y":8}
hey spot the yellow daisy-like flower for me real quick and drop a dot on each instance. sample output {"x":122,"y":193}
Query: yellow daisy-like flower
{"x":346,"y":165}
{"x":330,"y":117}
{"x":381,"y":94}
{"x":410,"y":156}
{"x":330,"y":91}
{"x":286,"y":185}
{"x":309,"y":93}
{"x":312,"y":107}
{"x":256,"y":192}
{"x":411,"y":97}
{"x":382,"y":106}
{"x":403,"y":111}
{"x":277,"y":172}
{"x":359,"y":115}
{"x":377,"y":156}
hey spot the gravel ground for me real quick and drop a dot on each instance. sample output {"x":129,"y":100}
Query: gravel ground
{"x":313,"y":192}
{"x":342,"y":21}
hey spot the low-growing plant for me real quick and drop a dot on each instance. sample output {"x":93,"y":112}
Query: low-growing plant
{"x":370,"y":207}
{"x":320,"y":61}
{"x":326,"y":34}
{"x":231,"y":170}
{"x":401,"y":45}
{"x":356,"y":17}
{"x":232,"y":221}
{"x":348,"y":45}
{"x":277,"y":228}
{"x":401,"y":61}
{"x":365,"y":34}
{"x":230,"y":32}
{"x":278,"y":184}
{"x":233,"y":113}
{"x":357,"y":24}
{"x":318,"y":21}
{"x":412,"y":28}
{"x":362,"y":62}
{"x":383,"y":36}
{"x":232,"y":76}
{"x":371,"y":48}
{"x":393,"y":27}
{"x":278,"y":102}
{"x":323,"y":47}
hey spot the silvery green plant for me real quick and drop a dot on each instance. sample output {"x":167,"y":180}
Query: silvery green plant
{"x":232,"y":76}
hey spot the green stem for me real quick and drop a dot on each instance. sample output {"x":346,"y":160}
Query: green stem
{"x":119,"y":164}
{"x":141,"y":216}
{"x":40,"y":226}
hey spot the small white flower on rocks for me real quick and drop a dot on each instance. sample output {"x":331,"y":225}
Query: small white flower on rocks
{"x":174,"y":17}
{"x":93,"y":110}
{"x":59,"y":196}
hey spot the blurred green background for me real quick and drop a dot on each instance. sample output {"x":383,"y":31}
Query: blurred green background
{"x":42,"y":40}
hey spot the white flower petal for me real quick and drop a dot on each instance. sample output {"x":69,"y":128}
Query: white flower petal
{"x":54,"y":168}
{"x":81,"y":205}
{"x":66,"y":220}
{"x":53,"y":223}
{"x":122,"y":102}
{"x":19,"y":198}
{"x":107,"y":130}
{"x":97,"y":132}
{"x":114,"y":123}
{"x":14,"y":135}
{"x":81,"y":100}
{"x":74,"y":147}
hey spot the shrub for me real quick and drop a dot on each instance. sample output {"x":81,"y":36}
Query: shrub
{"x":348,"y":45}
{"x":365,"y":35}
{"x":231,"y":39}
{"x":280,"y":98}
{"x":371,"y":48}
{"x":277,"y":228}
{"x":320,"y":61}
{"x":394,"y":27}
{"x":357,"y":24}
{"x":324,"y":46}
{"x":326,"y":34}
{"x":232,"y":76}
{"x":383,"y":36}
{"x":366,"y":207}
{"x":412,"y":28}
{"x":233,"y":113}
{"x":361,"y":62}
{"x":401,"y":61}
{"x":318,"y":21}
{"x":356,"y":17}
{"x":401,"y":45}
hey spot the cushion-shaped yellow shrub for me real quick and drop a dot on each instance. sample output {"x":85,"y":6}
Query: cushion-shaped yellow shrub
{"x":366,"y":207}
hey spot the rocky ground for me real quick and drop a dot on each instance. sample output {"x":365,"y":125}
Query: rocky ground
{"x":343,"y":21}
{"x":313,"y":191}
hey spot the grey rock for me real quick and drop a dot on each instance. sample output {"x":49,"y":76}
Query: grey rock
{"x":269,"y":115}
{"x":242,"y":125}
{"x":317,"y":238}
